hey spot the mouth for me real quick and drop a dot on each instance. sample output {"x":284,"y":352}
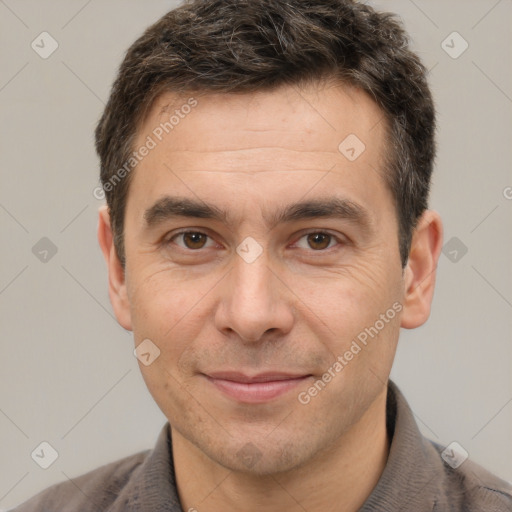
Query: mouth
{"x":255,"y":389}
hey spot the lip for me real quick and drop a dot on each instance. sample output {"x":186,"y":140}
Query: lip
{"x":255,"y":389}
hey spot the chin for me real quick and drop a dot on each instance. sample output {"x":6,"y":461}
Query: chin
{"x":263,"y":457}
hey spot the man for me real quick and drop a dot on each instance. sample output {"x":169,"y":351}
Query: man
{"x":266,"y":165}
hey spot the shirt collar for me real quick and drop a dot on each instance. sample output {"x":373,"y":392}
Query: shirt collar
{"x":410,"y":479}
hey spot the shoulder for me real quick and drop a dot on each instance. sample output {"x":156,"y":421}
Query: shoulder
{"x":473,"y":488}
{"x":92,"y":491}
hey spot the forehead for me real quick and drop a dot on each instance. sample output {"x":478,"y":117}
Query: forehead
{"x":279,"y":139}
{"x":318,"y":109}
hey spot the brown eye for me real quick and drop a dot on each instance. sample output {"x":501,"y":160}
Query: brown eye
{"x":190,"y":239}
{"x":194,"y":240}
{"x":319,"y":241}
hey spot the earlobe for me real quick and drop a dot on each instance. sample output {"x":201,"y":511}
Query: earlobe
{"x":116,"y":275}
{"x":420,"y":271}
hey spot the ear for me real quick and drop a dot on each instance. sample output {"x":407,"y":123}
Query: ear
{"x":116,"y":275}
{"x":420,"y":271}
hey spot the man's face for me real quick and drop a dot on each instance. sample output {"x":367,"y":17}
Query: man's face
{"x":251,"y":308}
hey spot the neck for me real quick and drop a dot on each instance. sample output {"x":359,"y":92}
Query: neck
{"x":340,"y":478}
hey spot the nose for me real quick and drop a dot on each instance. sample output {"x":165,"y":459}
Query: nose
{"x":255,"y":303}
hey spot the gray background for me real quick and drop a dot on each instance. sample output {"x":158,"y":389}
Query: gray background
{"x":68,"y":374}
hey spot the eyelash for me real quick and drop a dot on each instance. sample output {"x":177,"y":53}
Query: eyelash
{"x":186,"y":231}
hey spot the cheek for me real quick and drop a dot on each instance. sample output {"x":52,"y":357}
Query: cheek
{"x":347,"y":301}
{"x":357,"y":314}
{"x":170,"y":313}
{"x":160,"y":298}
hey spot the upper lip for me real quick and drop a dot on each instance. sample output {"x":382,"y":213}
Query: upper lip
{"x":260,"y":377}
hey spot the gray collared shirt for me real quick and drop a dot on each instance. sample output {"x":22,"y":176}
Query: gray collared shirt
{"x":415,"y":479}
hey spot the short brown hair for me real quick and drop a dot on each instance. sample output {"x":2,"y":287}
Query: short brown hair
{"x":237,"y":46}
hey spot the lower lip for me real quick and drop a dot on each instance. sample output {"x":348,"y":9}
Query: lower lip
{"x":256,"y":392}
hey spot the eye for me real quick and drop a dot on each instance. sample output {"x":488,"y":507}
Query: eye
{"x":195,"y":240}
{"x":191,"y":240}
{"x":317,"y":240}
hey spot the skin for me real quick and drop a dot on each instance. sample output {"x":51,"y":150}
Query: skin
{"x":295,"y":309}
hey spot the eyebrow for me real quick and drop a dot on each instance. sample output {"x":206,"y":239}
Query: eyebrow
{"x":169,"y":207}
